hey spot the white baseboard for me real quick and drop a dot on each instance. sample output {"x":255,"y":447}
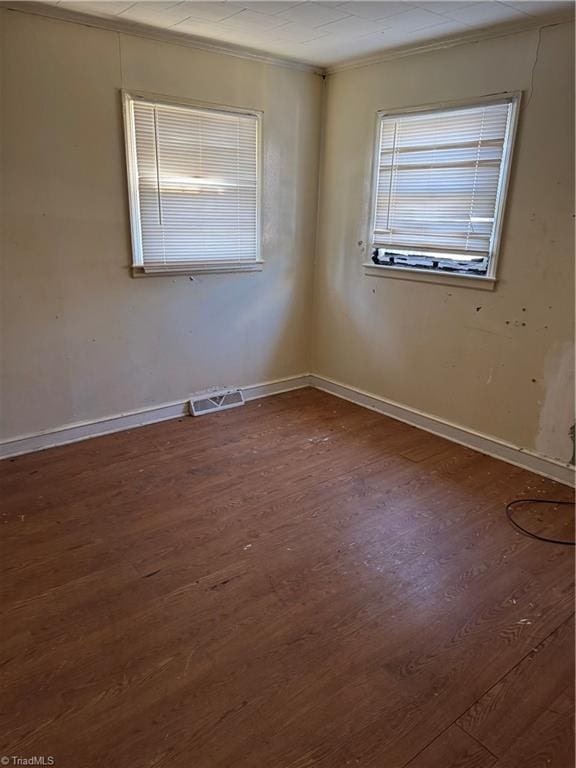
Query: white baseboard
{"x":492,"y":446}
{"x":83,"y":430}
{"x":499,"y":449}
{"x":276,"y":387}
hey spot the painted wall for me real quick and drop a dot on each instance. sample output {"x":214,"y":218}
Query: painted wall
{"x":501,"y":362}
{"x":81,"y":338}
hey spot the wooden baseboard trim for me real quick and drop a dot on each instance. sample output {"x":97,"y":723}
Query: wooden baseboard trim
{"x":73,"y":433}
{"x":491,"y":446}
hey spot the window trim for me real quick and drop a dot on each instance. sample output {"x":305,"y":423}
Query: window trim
{"x":199,"y":267}
{"x":455,"y":278}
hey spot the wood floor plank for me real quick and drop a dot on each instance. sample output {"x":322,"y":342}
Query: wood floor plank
{"x":299,"y":582}
{"x":510,"y":707}
{"x":549,"y":742}
{"x":453,"y":749}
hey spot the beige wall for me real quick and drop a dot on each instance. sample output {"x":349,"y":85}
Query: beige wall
{"x":495,"y":362}
{"x":81,"y":338}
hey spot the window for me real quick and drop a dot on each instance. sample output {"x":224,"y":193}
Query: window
{"x":194,"y":186}
{"x":440,"y":185}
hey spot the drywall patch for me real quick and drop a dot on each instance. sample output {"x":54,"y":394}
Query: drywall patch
{"x":557,"y":413}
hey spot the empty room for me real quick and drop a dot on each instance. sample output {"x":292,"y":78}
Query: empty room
{"x":287,"y":384}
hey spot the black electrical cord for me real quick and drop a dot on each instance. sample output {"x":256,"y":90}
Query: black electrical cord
{"x":530,"y":533}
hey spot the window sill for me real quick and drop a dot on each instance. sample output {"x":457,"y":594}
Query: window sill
{"x":479,"y":282}
{"x":200,"y":268}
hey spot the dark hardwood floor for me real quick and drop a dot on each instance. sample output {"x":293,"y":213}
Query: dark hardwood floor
{"x":297,"y":583}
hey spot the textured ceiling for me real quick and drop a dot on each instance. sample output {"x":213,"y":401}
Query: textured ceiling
{"x":323,"y":33}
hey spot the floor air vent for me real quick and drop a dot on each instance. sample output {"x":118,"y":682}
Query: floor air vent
{"x":208,"y":402}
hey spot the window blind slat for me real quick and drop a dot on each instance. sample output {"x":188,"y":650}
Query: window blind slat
{"x":439,"y":174}
{"x":198,"y":185}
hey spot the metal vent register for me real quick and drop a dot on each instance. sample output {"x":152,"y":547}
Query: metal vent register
{"x":208,"y":402}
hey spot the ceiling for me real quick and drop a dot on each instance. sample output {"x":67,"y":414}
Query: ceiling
{"x":323,"y":33}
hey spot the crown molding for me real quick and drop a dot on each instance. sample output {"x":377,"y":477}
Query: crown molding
{"x":125,"y":26}
{"x":474,"y":36}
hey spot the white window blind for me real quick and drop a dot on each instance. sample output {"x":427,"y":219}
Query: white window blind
{"x":194,"y":176}
{"x":440,"y":185}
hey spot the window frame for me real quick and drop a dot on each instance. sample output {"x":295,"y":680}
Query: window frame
{"x":465,"y":279}
{"x":199,"y":266}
